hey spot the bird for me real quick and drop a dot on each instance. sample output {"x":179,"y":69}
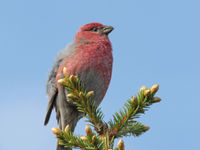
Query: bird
{"x":90,"y":58}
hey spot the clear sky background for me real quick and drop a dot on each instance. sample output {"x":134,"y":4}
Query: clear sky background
{"x":153,"y":42}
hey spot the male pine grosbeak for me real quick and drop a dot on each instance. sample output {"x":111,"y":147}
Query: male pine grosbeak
{"x":90,"y":58}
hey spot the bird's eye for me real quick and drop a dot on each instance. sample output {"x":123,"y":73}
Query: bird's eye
{"x":94,"y":29}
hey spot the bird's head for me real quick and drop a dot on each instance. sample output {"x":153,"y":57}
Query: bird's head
{"x":93,"y":31}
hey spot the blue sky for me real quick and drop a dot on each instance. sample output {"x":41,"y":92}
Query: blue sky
{"x":153,"y":42}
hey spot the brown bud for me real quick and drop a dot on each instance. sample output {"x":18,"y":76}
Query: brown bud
{"x":146,"y":128}
{"x":156,"y":99}
{"x":143,"y":88}
{"x":147,"y":92}
{"x":133,"y":99}
{"x":80,"y":94}
{"x":61,"y":81}
{"x":120,"y":144}
{"x":88,"y":130}
{"x":65,"y":71}
{"x":67,"y":129}
{"x":84,"y":138}
{"x":93,"y":138}
{"x":89,"y":94}
{"x":56,"y":131}
{"x":72,"y":78}
{"x":71,"y":96}
{"x":154,"y":88}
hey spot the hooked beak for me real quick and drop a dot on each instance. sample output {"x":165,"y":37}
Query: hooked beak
{"x":107,"y":29}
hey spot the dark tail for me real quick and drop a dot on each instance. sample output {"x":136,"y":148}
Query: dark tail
{"x":50,"y":107}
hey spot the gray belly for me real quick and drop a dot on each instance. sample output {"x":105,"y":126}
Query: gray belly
{"x":93,"y":81}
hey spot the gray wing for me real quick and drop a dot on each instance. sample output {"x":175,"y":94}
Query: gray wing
{"x":52,"y":91}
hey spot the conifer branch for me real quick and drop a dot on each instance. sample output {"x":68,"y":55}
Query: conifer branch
{"x":123,"y":123}
{"x":89,"y":142}
{"x":132,"y":129}
{"x":133,"y":108}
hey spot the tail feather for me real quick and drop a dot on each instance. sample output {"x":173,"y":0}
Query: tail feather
{"x":50,"y":107}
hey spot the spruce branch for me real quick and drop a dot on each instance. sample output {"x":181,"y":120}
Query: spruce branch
{"x":132,"y":129}
{"x":123,"y":123}
{"x":89,"y":142}
{"x":68,"y":139}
